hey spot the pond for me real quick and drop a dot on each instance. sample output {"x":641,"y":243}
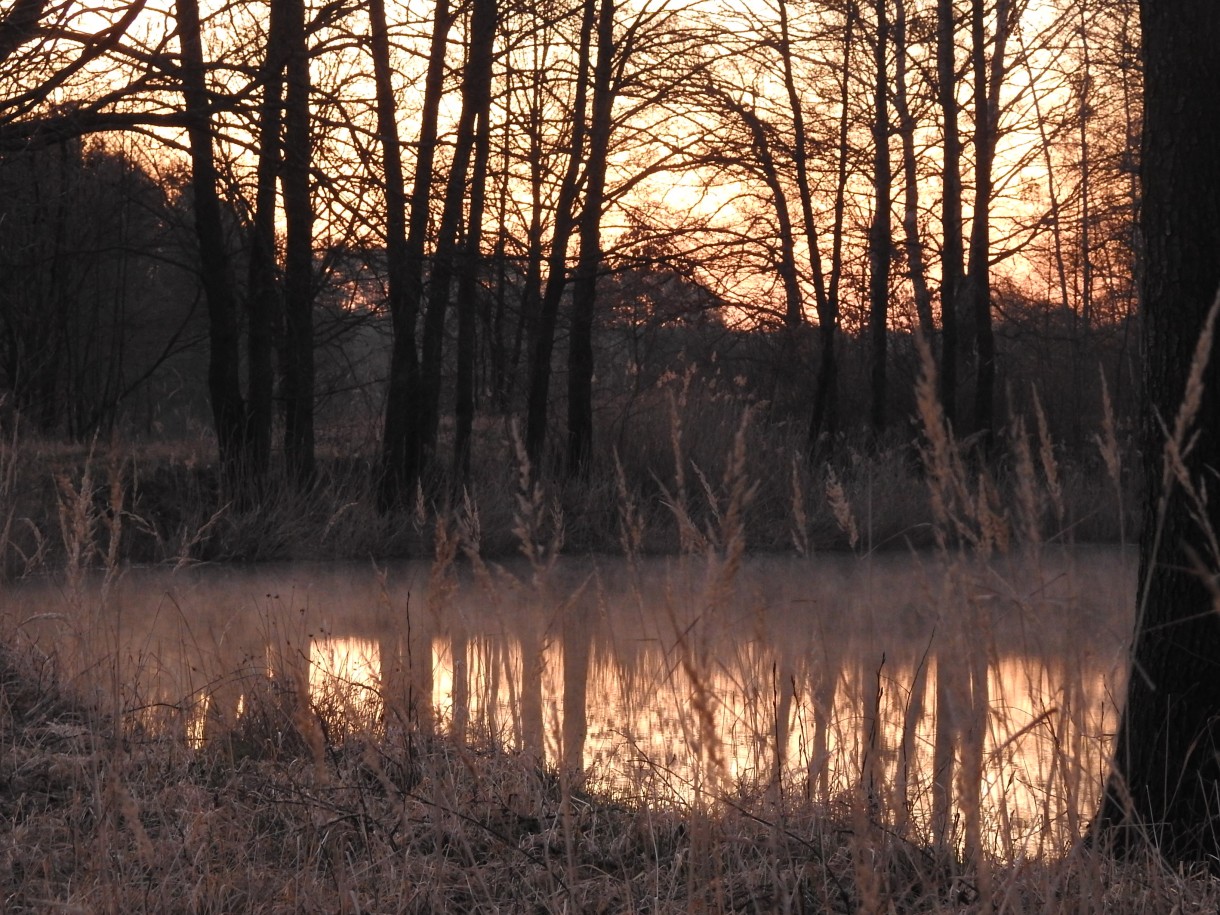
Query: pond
{"x":963,"y":699}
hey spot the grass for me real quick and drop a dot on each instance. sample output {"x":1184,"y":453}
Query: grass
{"x":104,"y":817}
{"x":669,"y":471}
{"x":821,"y":778}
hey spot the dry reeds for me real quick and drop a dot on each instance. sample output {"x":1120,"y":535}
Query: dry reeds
{"x":831,"y":776}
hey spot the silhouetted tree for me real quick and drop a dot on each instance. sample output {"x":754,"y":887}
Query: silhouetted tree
{"x":402,"y":436}
{"x":880,"y":232}
{"x":584,"y":287}
{"x":224,"y":382}
{"x":1165,"y":788}
{"x":298,"y":252}
{"x":263,"y":302}
{"x":952,"y":254}
{"x":544,"y":329}
{"x":477,"y":97}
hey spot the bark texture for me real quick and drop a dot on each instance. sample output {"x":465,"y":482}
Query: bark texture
{"x":1165,"y":788}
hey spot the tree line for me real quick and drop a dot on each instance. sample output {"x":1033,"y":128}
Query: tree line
{"x":494,"y":183}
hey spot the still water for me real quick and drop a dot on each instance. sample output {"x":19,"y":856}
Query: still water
{"x":961,"y":698}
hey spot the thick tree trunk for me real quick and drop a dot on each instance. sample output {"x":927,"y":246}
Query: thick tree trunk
{"x":224,"y":382}
{"x":584,"y":289}
{"x":1165,"y":789}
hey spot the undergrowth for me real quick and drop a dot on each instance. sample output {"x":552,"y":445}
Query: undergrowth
{"x":260,"y":787}
{"x":173,"y":509}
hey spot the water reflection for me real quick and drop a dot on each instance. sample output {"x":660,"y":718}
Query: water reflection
{"x":970,"y":702}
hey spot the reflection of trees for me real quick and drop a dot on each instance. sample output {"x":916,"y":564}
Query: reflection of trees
{"x":981,"y":725}
{"x":407,"y":672}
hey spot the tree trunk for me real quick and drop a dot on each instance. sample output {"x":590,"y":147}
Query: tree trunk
{"x":880,"y":234}
{"x":916,"y":268}
{"x":952,"y":255}
{"x":263,"y":303}
{"x":824,"y":418}
{"x":224,"y":382}
{"x":502,"y":374}
{"x":1083,"y":321}
{"x":779,"y":200}
{"x":548,"y":312}
{"x":444,"y":258}
{"x":531,"y":293}
{"x":977,"y":295}
{"x":298,"y":256}
{"x":800,"y":158}
{"x":584,"y":289}
{"x":405,"y":253}
{"x":1165,"y":788}
{"x":478,"y":98}
{"x":1085,"y":93}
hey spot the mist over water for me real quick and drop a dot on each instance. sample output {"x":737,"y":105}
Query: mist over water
{"x":964,"y":699}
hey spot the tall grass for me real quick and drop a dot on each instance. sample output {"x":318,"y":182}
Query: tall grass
{"x":663,"y":471}
{"x":822,"y":775}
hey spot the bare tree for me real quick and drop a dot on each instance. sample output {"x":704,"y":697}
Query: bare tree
{"x":1165,"y":789}
{"x":298,"y":254}
{"x":988,"y":79}
{"x":224,"y":383}
{"x":264,"y":304}
{"x":476,"y":83}
{"x":403,"y":432}
{"x":880,"y":234}
{"x":565,"y":223}
{"x":952,"y":258}
{"x":584,"y":292}
{"x":824,"y":415}
{"x":477,"y":92}
{"x":916,"y":263}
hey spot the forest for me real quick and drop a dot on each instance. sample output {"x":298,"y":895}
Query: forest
{"x":425,"y":240}
{"x":741,"y":414}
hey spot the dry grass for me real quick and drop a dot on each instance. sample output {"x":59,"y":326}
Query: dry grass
{"x":103,"y":818}
{"x":667,"y":465}
{"x":253,"y":787}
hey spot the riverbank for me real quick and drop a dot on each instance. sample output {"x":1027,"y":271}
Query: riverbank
{"x":295,"y":812}
{"x":121,"y":798}
{"x":666,"y":491}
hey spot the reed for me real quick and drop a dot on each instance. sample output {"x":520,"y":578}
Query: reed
{"x":250,"y":782}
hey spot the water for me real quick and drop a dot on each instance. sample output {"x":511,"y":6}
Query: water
{"x":957,"y":698}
